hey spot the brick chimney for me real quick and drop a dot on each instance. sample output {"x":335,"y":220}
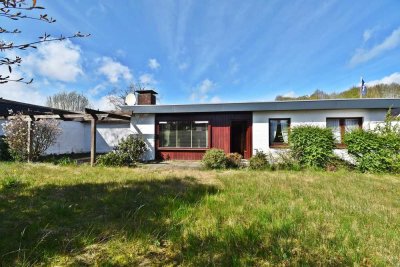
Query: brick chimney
{"x":146,"y":97}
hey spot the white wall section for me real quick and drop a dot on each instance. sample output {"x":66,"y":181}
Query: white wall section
{"x":143,"y":125}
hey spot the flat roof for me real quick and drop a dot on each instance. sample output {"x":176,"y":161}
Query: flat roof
{"x":326,"y":104}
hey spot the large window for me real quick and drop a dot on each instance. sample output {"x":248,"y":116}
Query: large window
{"x":279,"y":132}
{"x":340,"y":126}
{"x":184,"y":134}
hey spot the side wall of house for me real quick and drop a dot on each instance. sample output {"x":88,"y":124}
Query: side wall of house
{"x":1,"y":127}
{"x":143,"y":125}
{"x":312,"y":117}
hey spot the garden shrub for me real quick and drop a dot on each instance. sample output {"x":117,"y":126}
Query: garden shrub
{"x":234,"y":160}
{"x":376,"y":150}
{"x":215,"y":159}
{"x":127,"y":153}
{"x":312,"y":146}
{"x":112,"y":159}
{"x":284,"y":160}
{"x":4,"y":152}
{"x":44,"y":134}
{"x":259,"y":161}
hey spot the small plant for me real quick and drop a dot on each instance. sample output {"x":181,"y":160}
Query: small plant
{"x":215,"y":159}
{"x":284,"y":160}
{"x":10,"y":182}
{"x":112,"y":159}
{"x":65,"y":161}
{"x":234,"y":160}
{"x":312,"y":146}
{"x":127,"y":153}
{"x":259,"y":161}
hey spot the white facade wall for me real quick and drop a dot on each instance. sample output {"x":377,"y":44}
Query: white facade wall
{"x":143,"y":125}
{"x":75,"y":137}
{"x":310,"y":117}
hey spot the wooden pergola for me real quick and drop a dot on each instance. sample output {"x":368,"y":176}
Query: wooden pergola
{"x":91,"y":115}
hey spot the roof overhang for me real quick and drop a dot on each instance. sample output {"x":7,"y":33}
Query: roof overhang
{"x":331,"y":104}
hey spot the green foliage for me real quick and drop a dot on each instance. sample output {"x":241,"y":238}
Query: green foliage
{"x":259,"y":161}
{"x":312,"y":146}
{"x":376,"y":91}
{"x":4,"y":150}
{"x":284,"y":160}
{"x":376,"y":150}
{"x":127,"y":153}
{"x":9,"y":182}
{"x":215,"y":159}
{"x":234,"y":160}
{"x":112,"y":159}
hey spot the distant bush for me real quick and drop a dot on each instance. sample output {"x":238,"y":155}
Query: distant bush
{"x":259,"y":161}
{"x":284,"y":160}
{"x":312,"y":146}
{"x":127,"y":153}
{"x":215,"y":159}
{"x":234,"y":160}
{"x":376,"y":150}
{"x":4,"y":152}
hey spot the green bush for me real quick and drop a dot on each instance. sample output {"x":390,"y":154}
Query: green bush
{"x":234,"y":160}
{"x":375,"y":151}
{"x":284,"y":160}
{"x":259,"y":161}
{"x":312,"y":146}
{"x":215,"y":159}
{"x":112,"y":159}
{"x":127,"y":153}
{"x":4,"y":151}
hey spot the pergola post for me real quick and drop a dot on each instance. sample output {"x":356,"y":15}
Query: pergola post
{"x":30,"y":139}
{"x":93,"y":123}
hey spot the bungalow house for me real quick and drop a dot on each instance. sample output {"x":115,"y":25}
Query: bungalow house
{"x":185,"y":132}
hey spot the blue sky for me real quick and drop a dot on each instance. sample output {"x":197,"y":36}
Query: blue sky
{"x":210,"y":51}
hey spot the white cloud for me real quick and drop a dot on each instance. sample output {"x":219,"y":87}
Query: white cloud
{"x":233,"y":66}
{"x":102,"y":103}
{"x":392,"y":78}
{"x":56,"y":60}
{"x":215,"y":99}
{"x":363,"y":55}
{"x":153,"y":64}
{"x":290,"y":94}
{"x":114,"y":70}
{"x":201,"y":92}
{"x":183,"y":66}
{"x":97,"y":89}
{"x":28,"y":93}
{"x":147,"y":79}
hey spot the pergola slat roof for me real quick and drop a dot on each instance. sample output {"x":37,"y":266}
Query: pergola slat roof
{"x":30,"y":112}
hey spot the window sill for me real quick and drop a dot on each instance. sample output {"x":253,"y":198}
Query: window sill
{"x":182,"y":149}
{"x":279,"y":146}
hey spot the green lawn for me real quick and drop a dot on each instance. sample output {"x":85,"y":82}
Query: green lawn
{"x":57,"y":216}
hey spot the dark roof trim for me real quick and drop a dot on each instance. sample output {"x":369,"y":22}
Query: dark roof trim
{"x":331,"y":104}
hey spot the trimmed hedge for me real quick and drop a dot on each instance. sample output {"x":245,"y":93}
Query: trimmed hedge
{"x":312,"y":146}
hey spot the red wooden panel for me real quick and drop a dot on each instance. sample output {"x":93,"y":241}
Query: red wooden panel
{"x":219,"y":133}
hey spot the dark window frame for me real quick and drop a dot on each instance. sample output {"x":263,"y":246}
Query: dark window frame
{"x":342,"y":125}
{"x":159,"y":147}
{"x":276,"y":144}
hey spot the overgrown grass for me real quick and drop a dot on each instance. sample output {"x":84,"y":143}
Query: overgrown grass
{"x":77,"y":215}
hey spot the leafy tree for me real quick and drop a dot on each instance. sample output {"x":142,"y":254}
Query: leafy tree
{"x":72,"y":101}
{"x":18,"y":10}
{"x":375,"y":91}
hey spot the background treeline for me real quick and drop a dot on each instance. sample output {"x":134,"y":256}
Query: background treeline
{"x":376,"y":91}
